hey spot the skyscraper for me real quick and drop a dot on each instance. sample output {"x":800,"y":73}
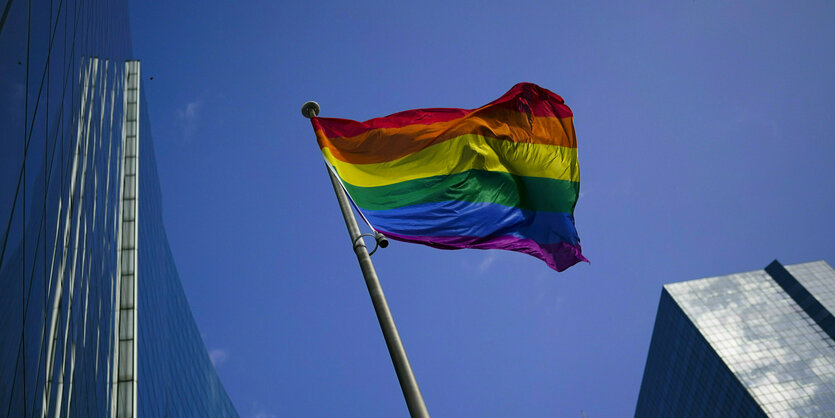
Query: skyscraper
{"x":760,"y":343}
{"x":93,"y":317}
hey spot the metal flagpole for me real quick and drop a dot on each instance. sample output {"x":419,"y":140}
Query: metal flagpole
{"x":411,"y":391}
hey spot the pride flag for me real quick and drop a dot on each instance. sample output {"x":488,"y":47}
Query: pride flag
{"x":504,"y":175}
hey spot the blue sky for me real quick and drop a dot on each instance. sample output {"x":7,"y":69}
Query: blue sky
{"x":705,"y":142}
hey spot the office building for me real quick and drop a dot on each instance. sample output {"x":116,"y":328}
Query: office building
{"x":94,"y":321}
{"x":760,"y":343}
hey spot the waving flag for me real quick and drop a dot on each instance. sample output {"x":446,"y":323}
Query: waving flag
{"x":502,"y":176}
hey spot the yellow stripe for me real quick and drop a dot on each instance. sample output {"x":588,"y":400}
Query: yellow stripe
{"x":464,"y":153}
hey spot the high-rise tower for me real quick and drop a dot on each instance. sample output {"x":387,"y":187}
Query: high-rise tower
{"x":93,"y":318}
{"x":760,"y":343}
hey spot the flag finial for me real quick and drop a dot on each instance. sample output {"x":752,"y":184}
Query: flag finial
{"x":310,"y":109}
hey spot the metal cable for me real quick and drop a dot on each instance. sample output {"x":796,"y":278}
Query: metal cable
{"x":27,"y":290}
{"x":5,"y":15}
{"x":26,"y":133}
{"x":350,"y":199}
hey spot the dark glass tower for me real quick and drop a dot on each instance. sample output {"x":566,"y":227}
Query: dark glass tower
{"x":93,"y":318}
{"x":753,"y":344}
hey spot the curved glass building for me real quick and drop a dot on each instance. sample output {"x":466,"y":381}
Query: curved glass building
{"x":93,"y":318}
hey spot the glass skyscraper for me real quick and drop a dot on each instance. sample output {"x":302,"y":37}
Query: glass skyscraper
{"x":753,"y":344}
{"x":93,"y":318}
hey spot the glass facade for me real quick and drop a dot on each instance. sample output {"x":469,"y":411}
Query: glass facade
{"x":93,"y":318}
{"x":744,"y":345}
{"x":684,"y":376}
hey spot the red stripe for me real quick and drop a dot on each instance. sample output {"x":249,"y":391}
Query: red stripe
{"x":524,"y":98}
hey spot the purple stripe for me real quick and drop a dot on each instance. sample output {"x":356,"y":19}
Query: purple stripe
{"x":558,"y":256}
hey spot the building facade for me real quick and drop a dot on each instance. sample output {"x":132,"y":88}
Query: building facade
{"x":93,"y":317}
{"x":760,"y":343}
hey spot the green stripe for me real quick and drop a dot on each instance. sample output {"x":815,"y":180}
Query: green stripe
{"x":532,"y":193}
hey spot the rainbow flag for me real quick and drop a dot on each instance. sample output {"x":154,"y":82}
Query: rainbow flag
{"x":504,"y":175}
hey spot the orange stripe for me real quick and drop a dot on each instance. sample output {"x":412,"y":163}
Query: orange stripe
{"x":387,"y":144}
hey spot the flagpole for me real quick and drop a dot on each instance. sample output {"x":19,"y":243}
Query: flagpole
{"x":408,"y":383}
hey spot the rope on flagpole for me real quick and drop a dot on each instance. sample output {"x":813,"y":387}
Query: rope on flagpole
{"x":381,"y":239}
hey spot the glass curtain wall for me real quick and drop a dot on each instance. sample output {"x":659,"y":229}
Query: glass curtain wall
{"x":62,"y":110}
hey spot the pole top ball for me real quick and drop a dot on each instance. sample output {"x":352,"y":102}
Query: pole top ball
{"x":310,"y":109}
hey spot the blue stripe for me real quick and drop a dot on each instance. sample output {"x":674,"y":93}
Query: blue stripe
{"x":458,"y":218}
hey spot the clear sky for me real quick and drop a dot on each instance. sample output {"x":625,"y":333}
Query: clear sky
{"x":705,"y":135}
